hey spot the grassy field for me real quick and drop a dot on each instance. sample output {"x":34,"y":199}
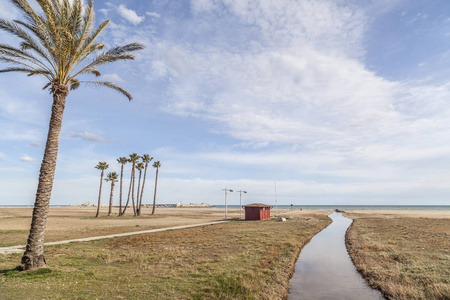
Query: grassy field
{"x":235,"y":260}
{"x":404,"y":257}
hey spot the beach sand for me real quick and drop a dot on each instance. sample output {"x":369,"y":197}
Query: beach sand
{"x":77,"y":221}
{"x":398,"y":213}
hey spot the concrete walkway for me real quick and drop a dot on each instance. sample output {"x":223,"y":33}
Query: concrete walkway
{"x":21,"y":248}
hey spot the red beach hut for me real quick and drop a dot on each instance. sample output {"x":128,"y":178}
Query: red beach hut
{"x":257,"y":211}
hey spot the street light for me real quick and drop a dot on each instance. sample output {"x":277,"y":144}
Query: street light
{"x":226,"y":190}
{"x":240,"y":202}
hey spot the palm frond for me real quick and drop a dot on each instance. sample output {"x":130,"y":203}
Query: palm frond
{"x":25,"y":66}
{"x":48,"y":52}
{"x":30,"y":72}
{"x":110,"y":85}
{"x":74,"y":84}
{"x":37,"y":24}
{"x":104,"y":58}
{"x":7,"y":51}
{"x":123,"y":49}
{"x":93,"y":71}
{"x":85,"y":46}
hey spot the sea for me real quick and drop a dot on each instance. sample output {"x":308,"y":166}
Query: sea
{"x":296,"y":206}
{"x":344,"y":207}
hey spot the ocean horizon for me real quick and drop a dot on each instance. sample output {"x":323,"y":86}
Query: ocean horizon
{"x":297,"y":206}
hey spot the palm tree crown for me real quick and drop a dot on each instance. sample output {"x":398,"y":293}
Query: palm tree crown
{"x":57,"y":44}
{"x":146,"y":158}
{"x":122,"y":160}
{"x":112,"y":176}
{"x":102,"y":165}
{"x":133,"y":158}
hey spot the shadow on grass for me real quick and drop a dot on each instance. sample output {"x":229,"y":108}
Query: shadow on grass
{"x":10,"y":272}
{"x":17,"y":272}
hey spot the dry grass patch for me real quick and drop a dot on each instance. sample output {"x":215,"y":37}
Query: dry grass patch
{"x":235,"y":260}
{"x":77,"y":222}
{"x":405,"y":258}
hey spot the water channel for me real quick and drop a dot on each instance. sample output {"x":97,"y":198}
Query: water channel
{"x":324,"y":269}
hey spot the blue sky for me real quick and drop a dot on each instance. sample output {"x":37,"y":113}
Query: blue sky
{"x":339,"y":102}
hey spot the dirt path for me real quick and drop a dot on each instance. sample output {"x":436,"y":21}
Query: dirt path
{"x":21,"y":248}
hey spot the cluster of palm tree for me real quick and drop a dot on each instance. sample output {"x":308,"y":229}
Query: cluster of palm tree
{"x":113,"y":176}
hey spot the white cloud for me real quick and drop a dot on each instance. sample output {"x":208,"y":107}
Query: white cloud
{"x":36,"y":145}
{"x":26,"y":158}
{"x":88,"y":136}
{"x":129,"y":14}
{"x":153,"y":15}
{"x":112,"y":77}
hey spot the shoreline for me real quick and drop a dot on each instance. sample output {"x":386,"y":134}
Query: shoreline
{"x":281,"y":207}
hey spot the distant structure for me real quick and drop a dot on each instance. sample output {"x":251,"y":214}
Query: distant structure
{"x":257,"y":211}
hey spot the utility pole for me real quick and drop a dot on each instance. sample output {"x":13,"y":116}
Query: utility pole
{"x":226,"y":190}
{"x":276,"y":201}
{"x":240,"y":202}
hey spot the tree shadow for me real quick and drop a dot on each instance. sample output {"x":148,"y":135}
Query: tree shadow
{"x":9,"y":272}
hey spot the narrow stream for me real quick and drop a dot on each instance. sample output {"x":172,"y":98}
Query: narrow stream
{"x":324,"y":269}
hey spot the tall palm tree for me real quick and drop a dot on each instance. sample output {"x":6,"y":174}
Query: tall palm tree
{"x":139,"y":166}
{"x":56,"y":44}
{"x":101,"y":166}
{"x":122,"y":161}
{"x":157,"y":165}
{"x":133,"y":159}
{"x":112,"y":176}
{"x":146,"y":159}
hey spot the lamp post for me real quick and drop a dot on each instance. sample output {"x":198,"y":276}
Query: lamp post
{"x":276,"y":201}
{"x":226,"y":190}
{"x":240,"y":202}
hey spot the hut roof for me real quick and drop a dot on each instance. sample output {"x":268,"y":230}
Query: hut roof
{"x":257,"y":205}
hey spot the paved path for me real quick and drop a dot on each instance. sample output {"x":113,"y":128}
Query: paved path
{"x":21,"y":248}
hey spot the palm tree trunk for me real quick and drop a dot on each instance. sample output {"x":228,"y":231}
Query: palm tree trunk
{"x":154,"y":195}
{"x":138,"y":206}
{"x":99,"y":194}
{"x":120,"y":200}
{"x":142,"y":189}
{"x":111,"y":198}
{"x":129,"y":194}
{"x":33,"y":257}
{"x":132,"y":191}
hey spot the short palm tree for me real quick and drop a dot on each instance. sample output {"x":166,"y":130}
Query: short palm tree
{"x":112,"y":176}
{"x":157,"y":165}
{"x":145,"y":159}
{"x":56,"y":45}
{"x":122,"y":161}
{"x":133,"y":159}
{"x":139,"y":166}
{"x":101,"y":166}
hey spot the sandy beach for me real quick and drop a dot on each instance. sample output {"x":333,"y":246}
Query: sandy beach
{"x":77,"y":221}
